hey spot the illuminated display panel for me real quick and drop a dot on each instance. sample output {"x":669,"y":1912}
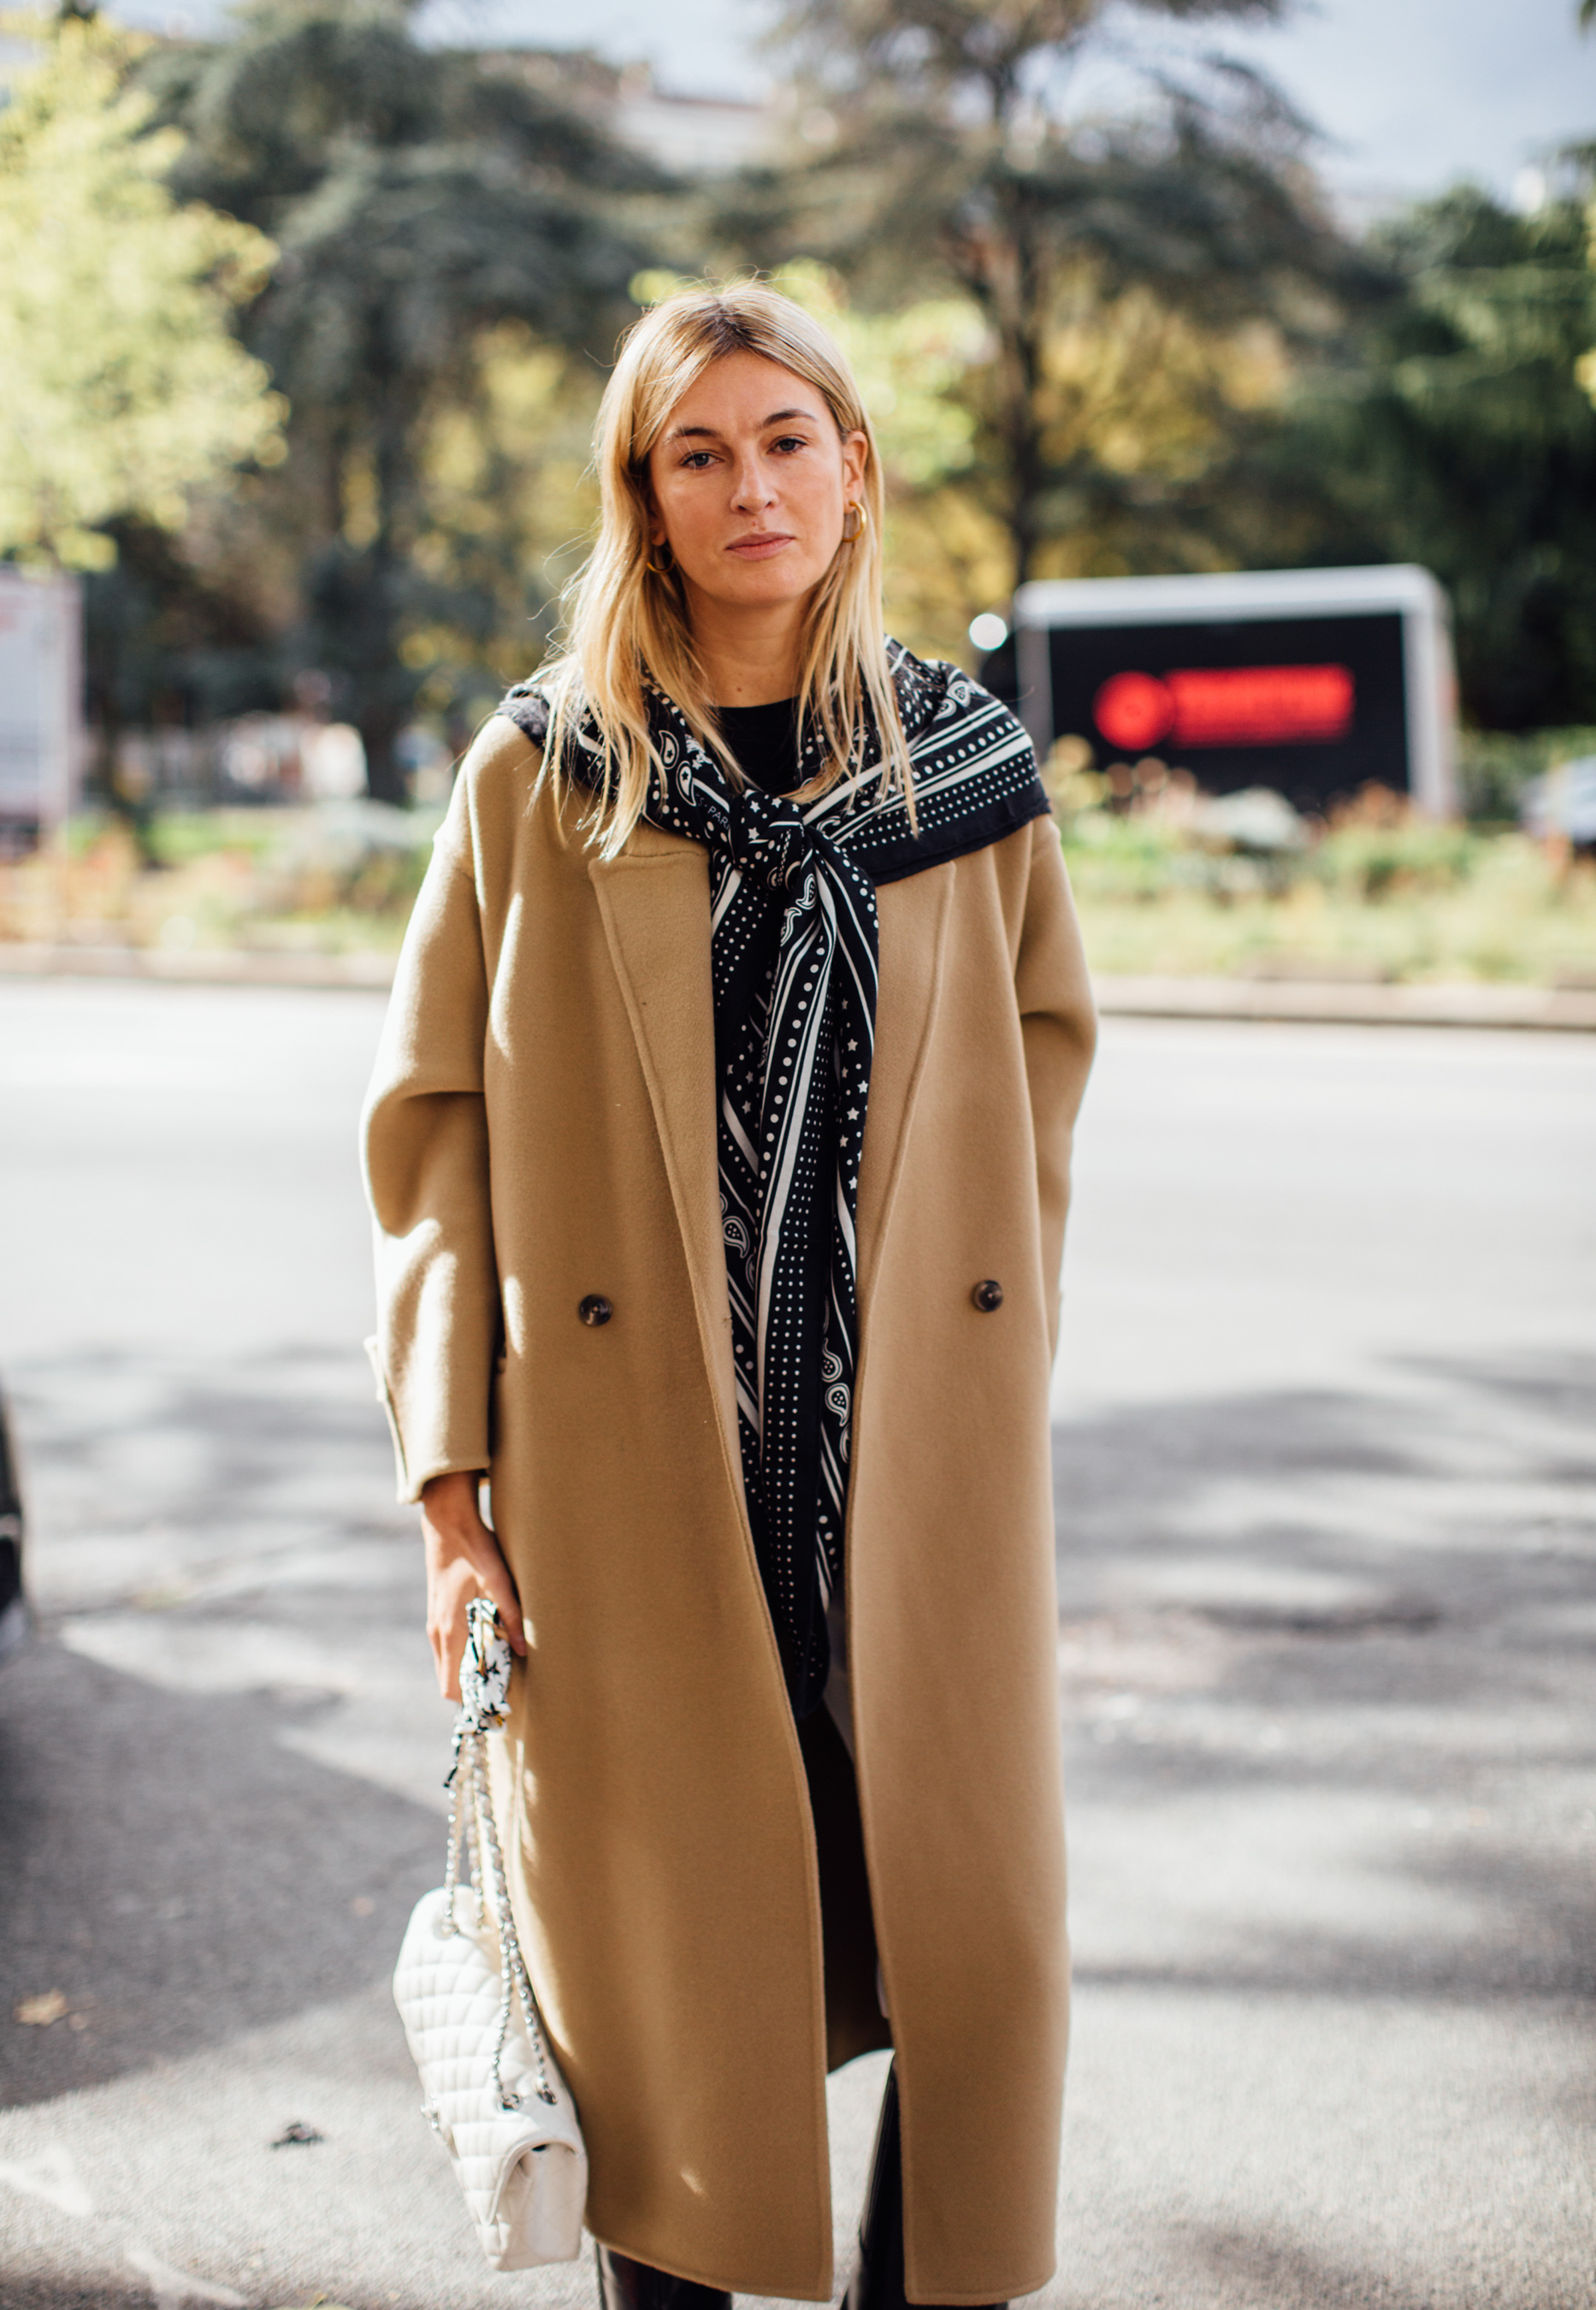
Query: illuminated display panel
{"x":1312,"y":706}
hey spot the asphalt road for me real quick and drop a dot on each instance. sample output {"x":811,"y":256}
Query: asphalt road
{"x":1327,"y":1544}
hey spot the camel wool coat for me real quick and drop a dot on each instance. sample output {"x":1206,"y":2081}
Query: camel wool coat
{"x":541,"y":1128}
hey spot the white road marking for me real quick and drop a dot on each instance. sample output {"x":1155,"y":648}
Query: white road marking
{"x":52,"y":2177}
{"x":171,"y":2288}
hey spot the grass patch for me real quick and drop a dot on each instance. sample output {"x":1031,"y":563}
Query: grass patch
{"x":1379,"y":894}
{"x":329,"y":880}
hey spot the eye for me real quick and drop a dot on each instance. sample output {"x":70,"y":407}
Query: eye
{"x":695,"y":461}
{"x":788,"y":443}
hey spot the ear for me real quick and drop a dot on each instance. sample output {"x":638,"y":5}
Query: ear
{"x":855,"y":449}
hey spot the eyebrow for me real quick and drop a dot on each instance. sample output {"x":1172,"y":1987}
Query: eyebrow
{"x":708,"y":432}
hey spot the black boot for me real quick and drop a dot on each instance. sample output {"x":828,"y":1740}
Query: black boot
{"x":628,"y":2285}
{"x":877,"y":2283}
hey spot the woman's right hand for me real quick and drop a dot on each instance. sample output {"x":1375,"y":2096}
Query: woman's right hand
{"x":463,"y":1561}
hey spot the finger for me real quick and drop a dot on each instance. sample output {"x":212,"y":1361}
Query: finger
{"x":446,"y":1628}
{"x":448,"y":1666}
{"x":492,"y":1575}
{"x":496,"y":1579}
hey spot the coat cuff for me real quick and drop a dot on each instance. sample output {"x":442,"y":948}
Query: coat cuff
{"x":418,"y":1460}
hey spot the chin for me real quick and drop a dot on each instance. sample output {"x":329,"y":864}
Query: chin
{"x":764,"y":583}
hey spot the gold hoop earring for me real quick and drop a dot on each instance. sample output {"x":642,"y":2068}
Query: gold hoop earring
{"x":851,"y":536}
{"x":664,"y":569}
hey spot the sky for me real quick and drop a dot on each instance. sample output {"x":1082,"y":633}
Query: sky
{"x":1411,"y":95}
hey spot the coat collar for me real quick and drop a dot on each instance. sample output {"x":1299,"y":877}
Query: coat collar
{"x":653,"y":900}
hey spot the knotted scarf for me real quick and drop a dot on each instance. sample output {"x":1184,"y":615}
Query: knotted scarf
{"x":793,"y":958}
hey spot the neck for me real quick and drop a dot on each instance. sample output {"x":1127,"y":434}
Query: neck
{"x":748,"y":652}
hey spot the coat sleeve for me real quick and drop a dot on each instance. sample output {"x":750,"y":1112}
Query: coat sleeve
{"x":425,"y":1143}
{"x":1059,"y":1021}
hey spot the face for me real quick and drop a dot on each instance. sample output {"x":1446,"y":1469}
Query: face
{"x":751,"y":481}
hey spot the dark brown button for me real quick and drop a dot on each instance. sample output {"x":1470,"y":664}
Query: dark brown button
{"x":595,"y":1309}
{"x":988,"y":1296}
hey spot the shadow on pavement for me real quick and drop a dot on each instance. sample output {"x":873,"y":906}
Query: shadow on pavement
{"x":67,"y":2294}
{"x":176,"y":1874}
{"x":134,"y":1461}
{"x":1251,"y":2270}
{"x":74,"y":2294}
{"x":1326,"y":1662}
{"x":1321,"y":1635}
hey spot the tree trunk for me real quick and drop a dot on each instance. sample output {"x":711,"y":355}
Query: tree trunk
{"x":1026,"y":478}
{"x":1031,"y":287}
{"x":386,"y":687}
{"x":379,"y":727}
{"x":1007,"y":273}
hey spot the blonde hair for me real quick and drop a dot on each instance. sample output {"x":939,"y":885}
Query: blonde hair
{"x":627,"y":617}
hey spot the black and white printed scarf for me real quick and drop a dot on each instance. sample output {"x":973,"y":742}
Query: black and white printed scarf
{"x":793,"y":955}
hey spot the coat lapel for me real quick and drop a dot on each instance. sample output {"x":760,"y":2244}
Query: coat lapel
{"x":654,"y":903}
{"x":914,"y":917}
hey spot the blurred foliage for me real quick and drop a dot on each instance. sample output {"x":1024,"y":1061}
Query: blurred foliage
{"x":1142,"y":411}
{"x":1376,"y":893}
{"x":1453,"y":433}
{"x":1518,"y":918}
{"x":509,"y":499}
{"x":948,"y":159}
{"x":177,"y":838}
{"x":1091,"y":346}
{"x":1375,"y":860}
{"x":1585,"y":155}
{"x":1495,"y":767}
{"x":337,"y":878}
{"x":443,"y":227}
{"x":124,"y":390}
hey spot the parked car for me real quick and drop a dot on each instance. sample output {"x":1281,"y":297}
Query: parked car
{"x":1564,"y":801}
{"x":14,"y":1602}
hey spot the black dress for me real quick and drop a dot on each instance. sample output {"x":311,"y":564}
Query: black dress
{"x":763,"y":743}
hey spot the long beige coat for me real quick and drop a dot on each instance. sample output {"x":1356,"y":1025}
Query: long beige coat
{"x":541,"y":1125}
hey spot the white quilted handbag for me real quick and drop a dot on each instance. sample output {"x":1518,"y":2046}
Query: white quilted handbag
{"x":491,"y":2088}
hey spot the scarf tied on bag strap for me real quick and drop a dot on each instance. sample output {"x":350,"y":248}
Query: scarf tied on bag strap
{"x":794,"y":947}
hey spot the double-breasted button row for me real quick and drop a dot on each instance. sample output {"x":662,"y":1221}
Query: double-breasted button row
{"x":595,"y":1309}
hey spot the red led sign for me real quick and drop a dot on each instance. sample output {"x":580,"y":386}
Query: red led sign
{"x":1227,"y":706}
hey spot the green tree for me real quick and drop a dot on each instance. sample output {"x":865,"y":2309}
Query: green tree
{"x":125,"y":393}
{"x":420,"y":202}
{"x":953,"y":154}
{"x":1456,"y":435}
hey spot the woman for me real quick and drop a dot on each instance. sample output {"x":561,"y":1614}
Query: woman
{"x":719,"y":1149}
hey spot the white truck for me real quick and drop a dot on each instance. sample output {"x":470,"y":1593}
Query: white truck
{"x":1312,"y":681}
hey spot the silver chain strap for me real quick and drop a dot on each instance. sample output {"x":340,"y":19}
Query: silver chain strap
{"x":474,"y":1831}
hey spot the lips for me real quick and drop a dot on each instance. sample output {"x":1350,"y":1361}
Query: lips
{"x":760,"y":544}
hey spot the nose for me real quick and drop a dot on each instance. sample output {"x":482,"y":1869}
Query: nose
{"x":750,"y":484}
